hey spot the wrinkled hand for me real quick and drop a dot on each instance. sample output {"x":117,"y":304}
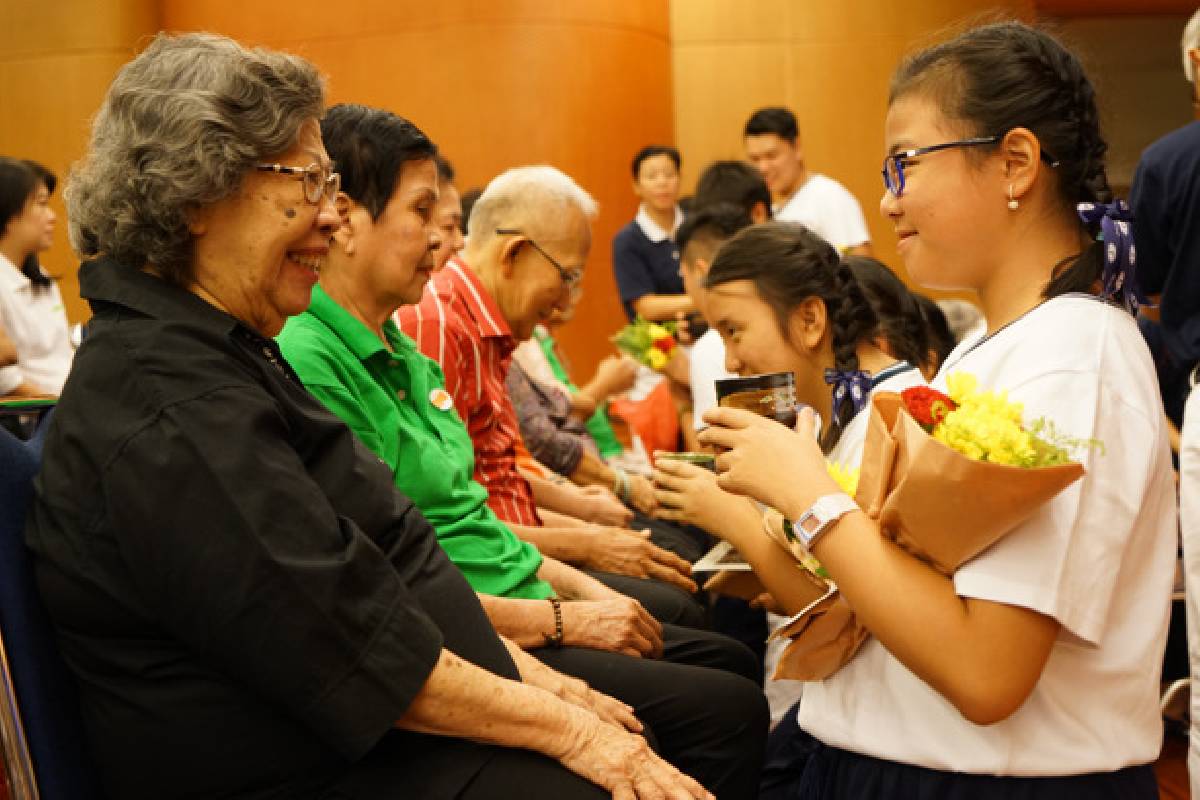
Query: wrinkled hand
{"x":620,"y":625}
{"x":689,"y":494}
{"x":641,"y":494}
{"x":572,"y":690}
{"x":601,"y":506}
{"x":609,"y":709}
{"x":625,"y":765}
{"x":627,"y":552}
{"x":617,"y":374}
{"x":763,"y":460}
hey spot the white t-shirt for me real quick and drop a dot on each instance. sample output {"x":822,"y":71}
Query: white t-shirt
{"x":783,"y":694}
{"x":1098,"y":558}
{"x":1189,"y":528}
{"x":706,"y":368}
{"x":36,"y":322}
{"x":828,"y":209}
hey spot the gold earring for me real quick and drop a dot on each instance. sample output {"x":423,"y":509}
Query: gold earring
{"x":1013,"y":203}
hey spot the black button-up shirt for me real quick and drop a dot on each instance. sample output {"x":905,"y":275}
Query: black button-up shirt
{"x":247,"y":601}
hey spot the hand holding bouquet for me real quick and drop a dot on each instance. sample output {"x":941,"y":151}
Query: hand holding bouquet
{"x":946,"y":477}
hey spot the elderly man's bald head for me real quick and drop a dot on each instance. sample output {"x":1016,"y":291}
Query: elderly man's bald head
{"x":536,"y":200}
{"x":528,"y":240}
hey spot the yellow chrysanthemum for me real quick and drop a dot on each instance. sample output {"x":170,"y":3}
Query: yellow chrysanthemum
{"x":846,"y":477}
{"x":656,"y":331}
{"x":987,"y":426}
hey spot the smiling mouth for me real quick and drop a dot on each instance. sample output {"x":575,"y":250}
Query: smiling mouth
{"x":311,"y":261}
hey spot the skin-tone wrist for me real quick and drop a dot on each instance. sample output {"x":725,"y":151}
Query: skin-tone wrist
{"x":462,"y":700}
{"x":572,"y":545}
{"x":660,"y":307}
{"x":522,"y":620}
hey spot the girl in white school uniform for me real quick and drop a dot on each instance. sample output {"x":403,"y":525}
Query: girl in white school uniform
{"x":1033,"y":672}
{"x":783,"y":301}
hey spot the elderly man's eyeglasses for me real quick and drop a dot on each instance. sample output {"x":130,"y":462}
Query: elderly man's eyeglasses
{"x":893,"y":165}
{"x":570,"y":277}
{"x":317,"y":181}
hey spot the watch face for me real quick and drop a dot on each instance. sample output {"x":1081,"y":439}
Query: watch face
{"x":811,"y":524}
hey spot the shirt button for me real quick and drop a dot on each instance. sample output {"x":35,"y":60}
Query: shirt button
{"x":401,"y":394}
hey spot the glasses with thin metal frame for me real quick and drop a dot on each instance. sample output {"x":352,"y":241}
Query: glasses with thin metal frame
{"x":893,"y":165}
{"x":570,"y":277}
{"x":317,"y":181}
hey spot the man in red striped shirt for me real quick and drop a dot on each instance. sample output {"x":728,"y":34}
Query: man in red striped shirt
{"x":530,"y":237}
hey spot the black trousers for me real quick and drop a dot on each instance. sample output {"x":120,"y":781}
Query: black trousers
{"x":702,"y":714}
{"x":407,"y":766}
{"x":702,"y":701}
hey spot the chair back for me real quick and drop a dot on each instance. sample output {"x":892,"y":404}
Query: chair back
{"x":46,"y":757}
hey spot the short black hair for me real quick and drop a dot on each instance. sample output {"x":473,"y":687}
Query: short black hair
{"x":369,"y":147}
{"x":651,"y":150}
{"x":773,"y":119}
{"x":468,"y":199}
{"x":732,"y":182}
{"x":710,"y":226}
{"x":445,"y":170}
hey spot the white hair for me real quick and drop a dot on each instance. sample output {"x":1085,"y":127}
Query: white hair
{"x":523,"y":194}
{"x":1191,"y":41}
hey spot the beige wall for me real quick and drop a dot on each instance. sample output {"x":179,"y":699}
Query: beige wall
{"x":829,"y":62}
{"x":497,"y":83}
{"x":56,"y":61}
{"x":580,"y":84}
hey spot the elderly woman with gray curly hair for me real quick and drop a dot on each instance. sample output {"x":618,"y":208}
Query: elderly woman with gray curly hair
{"x":251,"y":608}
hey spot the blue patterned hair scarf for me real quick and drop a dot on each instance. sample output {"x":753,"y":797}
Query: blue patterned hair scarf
{"x":1120,"y":257}
{"x":848,"y":383}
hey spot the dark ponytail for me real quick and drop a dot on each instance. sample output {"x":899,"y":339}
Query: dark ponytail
{"x":789,"y":264}
{"x":1008,"y":75}
{"x":901,"y":323}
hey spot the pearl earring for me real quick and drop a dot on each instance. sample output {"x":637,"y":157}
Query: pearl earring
{"x":1013,"y":203}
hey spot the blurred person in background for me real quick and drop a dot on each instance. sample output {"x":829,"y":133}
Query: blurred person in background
{"x":31,"y":307}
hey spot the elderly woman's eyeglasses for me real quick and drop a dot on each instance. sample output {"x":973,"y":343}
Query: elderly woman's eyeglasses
{"x":317,"y":181}
{"x":570,"y":277}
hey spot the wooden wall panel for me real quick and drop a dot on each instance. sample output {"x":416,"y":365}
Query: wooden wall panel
{"x":580,"y":85}
{"x":829,"y":62}
{"x":56,"y":61}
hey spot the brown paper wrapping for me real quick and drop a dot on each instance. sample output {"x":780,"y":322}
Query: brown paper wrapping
{"x":934,"y":502}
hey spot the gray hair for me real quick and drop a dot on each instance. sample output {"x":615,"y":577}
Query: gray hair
{"x":180,"y":127}
{"x":523,"y":195}
{"x":1191,"y":41}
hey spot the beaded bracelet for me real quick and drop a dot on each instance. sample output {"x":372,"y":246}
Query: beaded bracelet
{"x":555,"y":639}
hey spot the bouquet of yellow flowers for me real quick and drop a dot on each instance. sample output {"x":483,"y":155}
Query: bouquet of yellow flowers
{"x":649,"y":343}
{"x":946,"y":476}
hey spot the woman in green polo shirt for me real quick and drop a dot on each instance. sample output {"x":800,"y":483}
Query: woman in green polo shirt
{"x":710,"y":723}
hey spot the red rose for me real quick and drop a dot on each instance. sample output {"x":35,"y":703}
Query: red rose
{"x":665,"y":343}
{"x":927,"y":406}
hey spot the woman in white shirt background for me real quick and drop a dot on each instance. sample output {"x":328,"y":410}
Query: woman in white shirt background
{"x":31,"y":308}
{"x":1033,"y":671}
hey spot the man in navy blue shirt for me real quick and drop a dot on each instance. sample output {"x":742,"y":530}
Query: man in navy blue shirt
{"x":645,"y":258}
{"x":1166,"y":204}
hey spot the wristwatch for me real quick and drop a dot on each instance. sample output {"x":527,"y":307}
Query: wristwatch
{"x":812,"y":524}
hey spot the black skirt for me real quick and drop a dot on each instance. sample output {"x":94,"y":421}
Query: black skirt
{"x":800,"y":767}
